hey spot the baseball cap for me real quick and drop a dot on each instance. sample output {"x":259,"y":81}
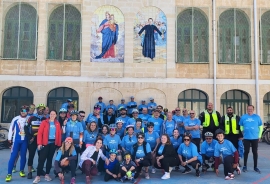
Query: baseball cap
{"x":97,"y":106}
{"x":69,"y":139}
{"x":100,"y":98}
{"x":151,"y":98}
{"x":143,"y":100}
{"x":132,"y":97}
{"x":69,"y":100}
{"x":122,"y":99}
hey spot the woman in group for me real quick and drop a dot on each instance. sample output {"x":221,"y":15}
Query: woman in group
{"x":105,"y":130}
{"x":176,"y":139}
{"x":120,"y":129}
{"x":65,"y":160}
{"x":138,"y":126}
{"x":141,"y":155}
{"x":90,"y":134}
{"x":112,"y":140}
{"x":90,"y":158}
{"x":48,"y":138}
{"x":128,"y":140}
{"x":167,"y":157}
{"x":189,"y":155}
{"x":153,"y":139}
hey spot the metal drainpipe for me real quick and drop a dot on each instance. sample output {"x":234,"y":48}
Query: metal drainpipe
{"x":215,"y":51}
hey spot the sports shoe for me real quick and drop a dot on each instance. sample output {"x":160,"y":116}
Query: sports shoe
{"x":87,"y":180}
{"x":22,"y":174}
{"x":37,"y":180}
{"x":238,"y":170}
{"x":170,"y":169}
{"x":29,"y":175}
{"x":197,"y":172}
{"x":227,"y":178}
{"x":256,"y":169}
{"x":8,"y":178}
{"x":231,"y":176}
{"x":153,"y":170}
{"x":122,"y":179}
{"x":186,"y":171}
{"x":176,"y":168}
{"x":244,"y":169}
{"x":47,"y":178}
{"x":73,"y":181}
{"x":33,"y":170}
{"x":166,"y":176}
{"x":146,"y":175}
{"x":132,"y":180}
{"x":14,"y":170}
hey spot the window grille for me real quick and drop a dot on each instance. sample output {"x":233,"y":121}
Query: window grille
{"x":266,"y":107}
{"x":265,"y":37}
{"x":192,"y":36}
{"x":234,"y":37}
{"x":20,"y":31}
{"x":64,"y":33}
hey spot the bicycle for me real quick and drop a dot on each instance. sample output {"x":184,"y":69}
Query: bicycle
{"x":4,"y":144}
{"x":266,"y":133}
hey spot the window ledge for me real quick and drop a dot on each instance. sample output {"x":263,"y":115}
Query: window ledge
{"x":63,"y":60}
{"x":192,"y":62}
{"x":22,"y":59}
{"x":235,"y":63}
{"x":264,"y":63}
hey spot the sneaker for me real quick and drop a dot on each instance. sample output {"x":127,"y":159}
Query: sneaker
{"x":14,"y":170}
{"x":231,"y":176}
{"x":176,"y":168}
{"x":132,"y":180}
{"x":147,"y":176}
{"x":170,"y":169}
{"x":122,"y":179}
{"x":33,"y":170}
{"x":37,"y":180}
{"x":87,"y":180}
{"x":47,"y":178}
{"x":186,"y":171}
{"x":73,"y":181}
{"x":22,"y":174}
{"x":153,"y":170}
{"x":198,"y":173}
{"x":244,"y":169}
{"x":29,"y":175}
{"x":238,"y":170}
{"x":256,"y":169}
{"x":166,"y":176}
{"x":227,"y":178}
{"x":8,"y":178}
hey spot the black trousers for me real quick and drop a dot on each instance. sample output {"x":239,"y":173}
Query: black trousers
{"x":45,"y":154}
{"x":192,"y":164}
{"x":168,"y":162}
{"x":115,"y":171}
{"x":71,"y":167}
{"x":78,"y":151}
{"x":141,"y":164}
{"x":197,"y":142}
{"x":254,"y":147}
{"x":32,"y":148}
{"x":228,"y":165}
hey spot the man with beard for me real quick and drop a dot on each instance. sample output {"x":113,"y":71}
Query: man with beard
{"x":123,"y":116}
{"x":96,"y":116}
{"x":109,"y":118}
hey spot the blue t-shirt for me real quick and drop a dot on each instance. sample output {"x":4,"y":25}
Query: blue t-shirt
{"x":75,"y":127}
{"x":83,"y":124}
{"x":160,"y":150}
{"x":208,"y":149}
{"x":190,"y":123}
{"x":64,"y":105}
{"x":52,"y":131}
{"x":124,"y":119}
{"x":89,"y":137}
{"x":112,"y":142}
{"x":157,"y":123}
{"x":144,"y":118}
{"x":103,"y":106}
{"x":120,"y":132}
{"x":121,"y":105}
{"x":112,"y":107}
{"x":224,"y":149}
{"x":169,"y":126}
{"x":151,"y":139}
{"x":129,"y":110}
{"x":131,"y":121}
{"x":140,"y":107}
{"x":189,"y":152}
{"x":91,"y":117}
{"x":111,"y":165}
{"x":176,"y":142}
{"x":178,"y":120}
{"x":59,"y":154}
{"x":128,"y":142}
{"x":251,"y":126}
{"x":140,"y":152}
{"x":151,"y":106}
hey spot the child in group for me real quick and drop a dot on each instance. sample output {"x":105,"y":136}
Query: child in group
{"x":138,"y":126}
{"x":112,"y":169}
{"x":128,"y":168}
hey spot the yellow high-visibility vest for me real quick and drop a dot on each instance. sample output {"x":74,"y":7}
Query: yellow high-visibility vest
{"x":228,"y":124}
{"x":206,"y":122}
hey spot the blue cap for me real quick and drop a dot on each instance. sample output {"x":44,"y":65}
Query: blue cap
{"x":151,"y":98}
{"x":132,"y":97}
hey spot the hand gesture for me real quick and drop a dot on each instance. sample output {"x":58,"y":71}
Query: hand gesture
{"x":65,"y":122}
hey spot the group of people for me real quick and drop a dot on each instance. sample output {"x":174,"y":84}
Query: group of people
{"x":131,"y":140}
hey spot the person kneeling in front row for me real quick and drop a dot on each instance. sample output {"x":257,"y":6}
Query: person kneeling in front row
{"x":65,"y":160}
{"x":113,"y":167}
{"x":128,"y":168}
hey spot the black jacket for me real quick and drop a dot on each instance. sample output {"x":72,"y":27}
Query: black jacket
{"x":168,"y":151}
{"x":106,"y":119}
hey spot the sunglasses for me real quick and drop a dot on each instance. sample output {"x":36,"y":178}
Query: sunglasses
{"x":150,"y":127}
{"x":112,"y":129}
{"x":24,"y":110}
{"x":191,"y":113}
{"x":82,"y":116}
{"x":208,"y":138}
{"x":178,"y":110}
{"x":68,"y":142}
{"x":186,"y":139}
{"x":140,"y":137}
{"x":97,"y":108}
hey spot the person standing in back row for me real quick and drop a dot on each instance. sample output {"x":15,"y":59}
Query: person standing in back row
{"x":251,"y":126}
{"x":210,"y":119}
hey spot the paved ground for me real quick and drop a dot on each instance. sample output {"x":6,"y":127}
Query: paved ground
{"x":176,"y":176}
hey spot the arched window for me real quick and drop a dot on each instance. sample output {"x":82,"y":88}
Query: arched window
{"x":64,"y":39}
{"x":266,"y":107}
{"x":12,"y":99}
{"x":265,"y":37}
{"x":58,"y":96}
{"x":20,"y":36}
{"x":192,"y":36}
{"x":193,"y":99}
{"x":237,"y":99}
{"x":234,"y":37}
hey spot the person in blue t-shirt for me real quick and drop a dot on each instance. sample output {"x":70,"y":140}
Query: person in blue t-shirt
{"x":132,"y":120}
{"x":96,"y":116}
{"x":120,"y":129}
{"x":141,"y":106}
{"x":131,"y":106}
{"x":90,"y":134}
{"x":193,"y":126}
{"x":189,"y":155}
{"x":66,"y":104}
{"x":144,"y":116}
{"x":112,"y":141}
{"x":128,"y":140}
{"x":141,"y":154}
{"x":169,"y":125}
{"x":123,"y":116}
{"x":229,"y":154}
{"x":176,"y":139}
{"x":113,"y":167}
{"x":207,"y":151}
{"x":251,"y":127}
{"x":120,"y":106}
{"x":112,"y":106}
{"x":179,"y":120}
{"x":138,"y":126}
{"x":151,"y":105}
{"x":101,"y":104}
{"x":157,"y":121}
